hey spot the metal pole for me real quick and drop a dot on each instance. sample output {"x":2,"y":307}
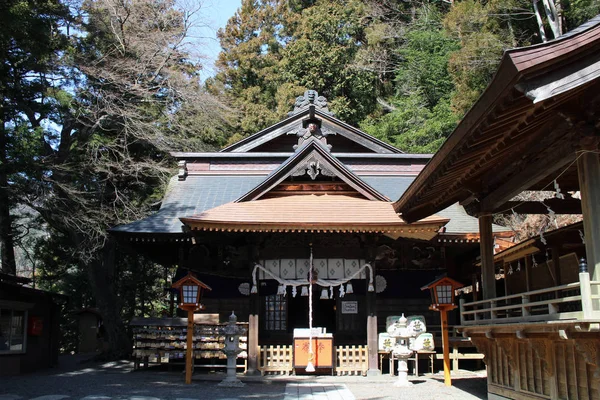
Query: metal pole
{"x":189,"y":357}
{"x":445,"y":347}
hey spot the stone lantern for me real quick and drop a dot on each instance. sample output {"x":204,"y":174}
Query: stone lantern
{"x":232,"y":332}
{"x":403,"y":330}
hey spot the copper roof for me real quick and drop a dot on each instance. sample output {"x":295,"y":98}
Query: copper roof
{"x":313,"y":213}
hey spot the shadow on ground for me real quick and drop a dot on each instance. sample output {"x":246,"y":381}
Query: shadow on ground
{"x":475,"y":386}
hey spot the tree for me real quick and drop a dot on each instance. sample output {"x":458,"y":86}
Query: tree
{"x":30,"y":42}
{"x":419,"y":117}
{"x":321,"y":56}
{"x":274,"y":50}
{"x":98,"y":111}
{"x":248,"y":75}
{"x":484,"y":30}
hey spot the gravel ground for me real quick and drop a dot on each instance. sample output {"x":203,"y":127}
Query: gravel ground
{"x":117,"y":380}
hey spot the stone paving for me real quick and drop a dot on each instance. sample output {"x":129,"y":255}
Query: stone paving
{"x":118,"y":381}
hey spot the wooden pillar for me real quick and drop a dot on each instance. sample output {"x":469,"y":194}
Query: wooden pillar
{"x":189,"y":353}
{"x":505,"y":267}
{"x":486,"y":244}
{"x":445,"y":346}
{"x":556,"y":265}
{"x":527,"y":273}
{"x":588,"y":168}
{"x":372,"y":344}
{"x":253,"y":327}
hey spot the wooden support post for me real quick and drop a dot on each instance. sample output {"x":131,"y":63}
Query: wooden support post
{"x":588,"y":168}
{"x":556,"y":265}
{"x":454,"y":358}
{"x":486,"y":245}
{"x":524,"y":308}
{"x":505,"y":280}
{"x":189,"y":354}
{"x":527,"y":274}
{"x":372,"y":338}
{"x":253,"y":328}
{"x":445,"y":346}
{"x":587,"y":307}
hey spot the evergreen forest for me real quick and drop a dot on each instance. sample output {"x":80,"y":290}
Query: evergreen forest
{"x":97,"y":92}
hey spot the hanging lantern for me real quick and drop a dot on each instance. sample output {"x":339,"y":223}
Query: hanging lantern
{"x":349,"y":288}
{"x":324,"y":295}
{"x":442,"y":293}
{"x":304,"y":291}
{"x":190,"y":292}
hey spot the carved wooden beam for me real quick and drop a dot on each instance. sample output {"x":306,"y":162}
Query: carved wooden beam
{"x":506,"y":345}
{"x":483,"y":346}
{"x":542,"y":351}
{"x":590,"y":350}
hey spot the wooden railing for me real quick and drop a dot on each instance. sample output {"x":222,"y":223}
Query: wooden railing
{"x":555,"y":303}
{"x":276,"y":360}
{"x":350,"y":360}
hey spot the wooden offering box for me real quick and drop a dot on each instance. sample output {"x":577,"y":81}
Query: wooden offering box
{"x":322,"y":348}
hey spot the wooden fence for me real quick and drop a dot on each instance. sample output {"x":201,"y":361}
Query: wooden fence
{"x":351,"y":360}
{"x":560,"y":302}
{"x":278,"y":360}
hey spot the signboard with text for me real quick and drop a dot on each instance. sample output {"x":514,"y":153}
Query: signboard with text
{"x":349,"y":307}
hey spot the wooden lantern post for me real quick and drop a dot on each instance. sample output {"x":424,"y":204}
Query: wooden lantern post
{"x":442,"y":300}
{"x":190,"y":293}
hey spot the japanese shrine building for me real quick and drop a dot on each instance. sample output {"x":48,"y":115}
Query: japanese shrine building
{"x":310,"y":186}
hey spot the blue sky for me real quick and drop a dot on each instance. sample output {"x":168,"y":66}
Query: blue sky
{"x":214,"y":14}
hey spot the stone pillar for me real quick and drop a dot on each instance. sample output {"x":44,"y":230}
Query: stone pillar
{"x":486,"y":244}
{"x":588,"y":168}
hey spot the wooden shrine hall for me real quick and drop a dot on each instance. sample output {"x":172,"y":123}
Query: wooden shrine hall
{"x":535,"y":129}
{"x":251,"y":219}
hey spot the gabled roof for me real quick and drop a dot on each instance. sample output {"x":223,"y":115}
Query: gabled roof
{"x":313,"y":213}
{"x":312,"y":155}
{"x":294,"y":123}
{"x":524,"y":128}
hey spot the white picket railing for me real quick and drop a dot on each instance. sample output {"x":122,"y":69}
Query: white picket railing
{"x":563,"y":302}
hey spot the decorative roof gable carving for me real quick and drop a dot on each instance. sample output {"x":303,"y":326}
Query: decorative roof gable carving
{"x":314,"y":159}
{"x":311,"y":118}
{"x":310,"y":97}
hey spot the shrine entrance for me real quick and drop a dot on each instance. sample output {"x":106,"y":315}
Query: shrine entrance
{"x":324,"y":312}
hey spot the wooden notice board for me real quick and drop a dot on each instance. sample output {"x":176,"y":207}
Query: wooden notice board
{"x":322,"y":350}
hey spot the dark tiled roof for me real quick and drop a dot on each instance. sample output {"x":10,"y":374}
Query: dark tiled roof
{"x":461,"y":222}
{"x":201,"y":193}
{"x":190,"y":197}
{"x":390,"y":186}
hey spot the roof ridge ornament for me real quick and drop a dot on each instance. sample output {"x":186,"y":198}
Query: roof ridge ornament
{"x":310,"y":97}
